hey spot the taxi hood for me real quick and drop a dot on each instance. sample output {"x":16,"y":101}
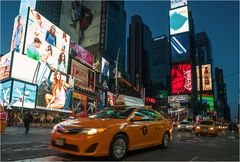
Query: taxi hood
{"x":92,"y":122}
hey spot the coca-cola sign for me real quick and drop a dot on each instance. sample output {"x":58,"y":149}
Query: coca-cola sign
{"x":181,"y":76}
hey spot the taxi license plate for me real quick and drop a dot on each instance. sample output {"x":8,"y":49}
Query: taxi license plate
{"x":59,"y":142}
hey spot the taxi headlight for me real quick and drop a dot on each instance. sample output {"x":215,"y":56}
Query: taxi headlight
{"x":179,"y":126}
{"x":187,"y":126}
{"x":211,"y":128}
{"x":198,"y":127}
{"x":91,"y":131}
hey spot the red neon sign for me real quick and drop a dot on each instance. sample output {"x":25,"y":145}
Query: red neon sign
{"x":150,"y":100}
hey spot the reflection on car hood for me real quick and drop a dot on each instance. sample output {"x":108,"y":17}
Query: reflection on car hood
{"x":91,"y":123}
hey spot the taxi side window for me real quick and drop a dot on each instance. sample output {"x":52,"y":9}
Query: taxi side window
{"x":142,"y":115}
{"x":153,"y":116}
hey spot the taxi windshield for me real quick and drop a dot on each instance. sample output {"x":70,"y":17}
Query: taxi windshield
{"x":112,"y":112}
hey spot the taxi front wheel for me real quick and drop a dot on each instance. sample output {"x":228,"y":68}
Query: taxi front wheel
{"x":118,"y":148}
{"x":165,"y":140}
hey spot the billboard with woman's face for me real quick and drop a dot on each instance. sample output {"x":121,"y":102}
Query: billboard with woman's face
{"x":5,"y":65}
{"x":55,"y":93}
{"x":181,"y":76}
{"x":46,"y":43}
{"x":79,"y":104}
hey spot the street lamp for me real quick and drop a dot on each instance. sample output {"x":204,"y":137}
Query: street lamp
{"x":116,"y":72}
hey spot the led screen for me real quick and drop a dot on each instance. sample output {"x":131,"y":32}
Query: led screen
{"x":5,"y":65}
{"x":102,"y":98}
{"x":19,"y":29}
{"x":79,"y":104}
{"x":23,"y":95}
{"x":24,"y":68}
{"x":80,"y":53}
{"x":55,"y":93}
{"x":105,"y":67}
{"x":84,"y":77}
{"x":46,"y":43}
{"x":207,"y":101}
{"x":91,"y":106}
{"x":206,"y":77}
{"x":180,"y":48}
{"x":111,"y":98}
{"x":179,"y":22}
{"x":181,"y":76}
{"x":27,"y":3}
{"x":81,"y":20}
{"x":5,"y":89}
{"x":178,"y":3}
{"x":163,"y":94}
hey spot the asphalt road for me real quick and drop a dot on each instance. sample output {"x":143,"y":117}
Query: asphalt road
{"x":18,"y":146}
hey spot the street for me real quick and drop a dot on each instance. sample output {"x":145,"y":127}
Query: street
{"x":18,"y":146}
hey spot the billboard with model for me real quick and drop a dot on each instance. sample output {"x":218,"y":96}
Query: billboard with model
{"x":206,"y":77}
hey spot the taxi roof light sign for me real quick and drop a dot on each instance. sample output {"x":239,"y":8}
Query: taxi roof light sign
{"x":129,"y":101}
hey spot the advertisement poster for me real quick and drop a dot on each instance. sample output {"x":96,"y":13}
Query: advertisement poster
{"x":24,"y":68}
{"x":24,"y":95}
{"x":27,"y":3}
{"x":46,"y":43}
{"x":180,"y":48}
{"x":79,"y":104}
{"x":179,"y":22}
{"x":178,"y":3}
{"x":206,"y":77}
{"x":207,"y":101}
{"x":91,"y":106}
{"x":80,"y":53}
{"x":81,"y":20}
{"x":105,"y":67}
{"x":84,"y":77}
{"x":111,"y":98}
{"x":5,"y":64}
{"x":19,"y":31}
{"x":5,"y":89}
{"x":56,"y":92}
{"x":102,"y":99}
{"x":181,"y":76}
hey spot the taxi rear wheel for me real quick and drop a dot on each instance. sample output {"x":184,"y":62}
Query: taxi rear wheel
{"x":165,"y":140}
{"x":118,"y":148}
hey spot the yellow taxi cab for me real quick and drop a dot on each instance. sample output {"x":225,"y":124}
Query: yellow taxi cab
{"x":3,"y":119}
{"x":112,"y":132}
{"x":206,"y":127}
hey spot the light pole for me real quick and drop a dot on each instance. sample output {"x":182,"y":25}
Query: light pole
{"x":116,"y":72}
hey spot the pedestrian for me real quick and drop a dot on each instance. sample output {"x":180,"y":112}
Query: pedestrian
{"x":28,"y":118}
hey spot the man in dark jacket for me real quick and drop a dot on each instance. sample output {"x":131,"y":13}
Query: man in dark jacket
{"x":28,"y":118}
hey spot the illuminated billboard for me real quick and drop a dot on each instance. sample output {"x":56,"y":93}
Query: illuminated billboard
{"x":207,"y":101}
{"x":91,"y":106}
{"x":178,"y":3}
{"x":19,"y":29}
{"x":5,"y":65}
{"x":163,"y":94}
{"x":80,"y":53}
{"x":105,"y":67}
{"x":179,"y":22}
{"x":23,"y":94}
{"x":55,"y":93}
{"x":5,"y":90}
{"x":84,"y":77}
{"x":46,"y":43}
{"x":206,"y":78}
{"x":79,"y":104}
{"x":102,"y":99}
{"x":181,"y":76}
{"x":24,"y":68}
{"x":27,"y":3}
{"x":81,"y":20}
{"x":180,"y":48}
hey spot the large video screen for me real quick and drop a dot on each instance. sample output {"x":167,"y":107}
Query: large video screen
{"x":55,"y":93}
{"x":81,"y":20}
{"x":80,"y":53}
{"x":207,"y":101}
{"x":79,"y":104}
{"x":180,"y":48}
{"x":84,"y":77}
{"x":19,"y":29}
{"x":5,"y":65}
{"x":179,"y":22}
{"x":23,"y":94}
{"x":178,"y":3}
{"x":102,"y":99}
{"x":24,"y":68}
{"x":206,"y":78}
{"x":5,"y":90}
{"x":46,"y":43}
{"x":181,"y":76}
{"x":105,"y":67}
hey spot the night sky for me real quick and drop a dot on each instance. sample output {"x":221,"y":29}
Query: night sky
{"x":219,"y":19}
